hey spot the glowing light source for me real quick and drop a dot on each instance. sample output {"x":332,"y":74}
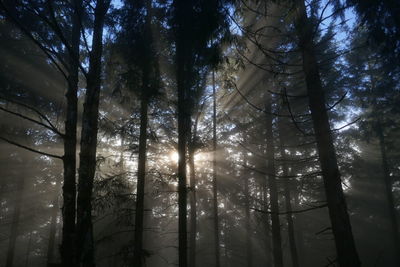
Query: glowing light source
{"x":174,"y":156}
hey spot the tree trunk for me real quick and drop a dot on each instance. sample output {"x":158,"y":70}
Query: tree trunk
{"x":28,"y":250}
{"x":273,"y":188}
{"x":346,"y":251}
{"x":302,"y":252}
{"x":87,"y":167}
{"x":288,"y":204}
{"x":193,"y":208}
{"x":215,"y":184}
{"x":227,"y":234}
{"x":389,"y":192}
{"x":53,"y":225}
{"x":15,"y":223}
{"x":67,"y":248}
{"x":249,"y":248}
{"x":138,"y":254}
{"x":266,"y":218}
{"x":183,"y":115}
{"x":193,"y":200}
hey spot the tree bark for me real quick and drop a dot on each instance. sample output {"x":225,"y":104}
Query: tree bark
{"x":347,"y":255}
{"x":288,"y":204}
{"x":28,"y":250}
{"x":67,"y":248}
{"x":389,"y":193}
{"x":193,"y":200}
{"x":53,"y":225}
{"x":138,"y":254}
{"x":193,"y":207}
{"x":302,"y":252}
{"x":266,"y":218}
{"x":15,"y":223}
{"x":87,"y":167}
{"x":249,"y":248}
{"x":183,"y":115}
{"x":273,"y":188}
{"x":215,"y":182}
{"x":227,"y":234}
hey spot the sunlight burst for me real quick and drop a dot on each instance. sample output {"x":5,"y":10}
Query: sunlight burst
{"x":174,"y":156}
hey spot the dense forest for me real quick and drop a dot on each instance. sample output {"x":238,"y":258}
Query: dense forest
{"x":192,"y":133}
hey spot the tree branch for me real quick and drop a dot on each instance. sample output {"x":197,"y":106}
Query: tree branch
{"x":31,"y":149}
{"x":290,"y":212}
{"x":40,"y":114}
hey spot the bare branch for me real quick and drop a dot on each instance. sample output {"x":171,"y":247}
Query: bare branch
{"x":29,"y":119}
{"x":348,"y":124}
{"x":31,"y":37}
{"x":337,"y":102}
{"x":290,"y":212}
{"x":31,"y":149}
{"x":51,"y":126}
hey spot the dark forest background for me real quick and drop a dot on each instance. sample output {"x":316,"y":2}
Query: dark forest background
{"x":199,"y":133}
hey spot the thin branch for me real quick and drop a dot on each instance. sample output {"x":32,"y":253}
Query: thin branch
{"x":337,"y":102}
{"x":260,"y":109}
{"x":290,"y":212}
{"x":292,"y":116}
{"x":51,"y":126}
{"x":346,"y":125}
{"x":263,"y":68}
{"x":29,"y":119}
{"x":31,"y":149}
{"x":30,"y":36}
{"x":282,"y":176}
{"x":323,"y":230}
{"x":287,"y":95}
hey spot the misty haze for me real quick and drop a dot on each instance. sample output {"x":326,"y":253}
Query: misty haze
{"x":199,"y":133}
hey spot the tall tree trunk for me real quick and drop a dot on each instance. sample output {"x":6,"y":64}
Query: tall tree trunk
{"x":215,"y":182}
{"x":138,"y":254}
{"x":193,"y":200}
{"x":182,"y":190}
{"x":389,"y":194}
{"x":346,"y":251}
{"x":15,"y":223}
{"x":266,"y":218}
{"x":302,"y":252}
{"x":183,"y":115}
{"x":67,"y":248}
{"x":227,"y":234}
{"x":87,"y":166}
{"x":53,"y":225}
{"x":28,"y":250}
{"x":226,"y":256}
{"x":193,"y":207}
{"x":288,"y":204}
{"x":249,"y":248}
{"x":273,"y":188}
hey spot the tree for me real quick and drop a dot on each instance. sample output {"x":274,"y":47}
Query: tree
{"x":287,"y":194}
{"x":137,"y":36}
{"x":68,"y":252}
{"x":87,"y":158}
{"x":341,"y":227}
{"x":382,"y":23}
{"x":46,"y":14}
{"x":192,"y":48}
{"x":15,"y":223}
{"x":374,"y":95}
{"x":273,"y":187}
{"x":215,"y":181}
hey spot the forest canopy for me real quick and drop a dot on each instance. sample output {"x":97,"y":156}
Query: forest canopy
{"x":192,"y":133}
